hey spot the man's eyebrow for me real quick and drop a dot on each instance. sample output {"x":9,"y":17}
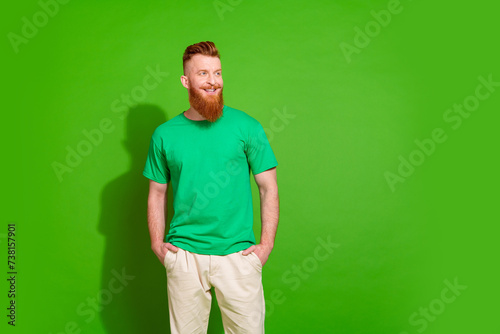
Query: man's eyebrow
{"x":220,"y":69}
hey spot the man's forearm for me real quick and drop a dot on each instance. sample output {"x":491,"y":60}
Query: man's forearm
{"x":156,"y":218}
{"x":269,"y":212}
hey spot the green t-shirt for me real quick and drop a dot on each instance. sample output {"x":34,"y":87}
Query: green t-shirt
{"x":208,"y":166}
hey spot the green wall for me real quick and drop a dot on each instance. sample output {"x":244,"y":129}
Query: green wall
{"x":388,"y":191}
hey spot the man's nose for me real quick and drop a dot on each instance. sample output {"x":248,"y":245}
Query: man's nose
{"x":211,"y":79}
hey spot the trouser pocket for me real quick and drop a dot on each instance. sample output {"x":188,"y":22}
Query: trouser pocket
{"x":254,"y":260}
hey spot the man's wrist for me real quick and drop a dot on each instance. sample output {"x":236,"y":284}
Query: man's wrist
{"x":156,"y":243}
{"x":267,"y":245}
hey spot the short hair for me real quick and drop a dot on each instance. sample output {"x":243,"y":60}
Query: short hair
{"x":204,"y":48}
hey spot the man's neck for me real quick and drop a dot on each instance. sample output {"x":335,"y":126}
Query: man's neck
{"x":193,"y":115}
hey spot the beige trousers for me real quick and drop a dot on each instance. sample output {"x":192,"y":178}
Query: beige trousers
{"x":237,"y":281}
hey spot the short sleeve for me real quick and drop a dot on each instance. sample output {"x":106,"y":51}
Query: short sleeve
{"x":259,"y":152}
{"x":156,"y":168}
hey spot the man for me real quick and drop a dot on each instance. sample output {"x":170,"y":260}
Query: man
{"x":206,"y":153}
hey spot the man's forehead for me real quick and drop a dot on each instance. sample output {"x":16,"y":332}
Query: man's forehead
{"x":198,"y":62}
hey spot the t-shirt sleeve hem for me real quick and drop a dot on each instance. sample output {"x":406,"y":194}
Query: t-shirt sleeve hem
{"x":263,"y":169}
{"x":151,"y":177}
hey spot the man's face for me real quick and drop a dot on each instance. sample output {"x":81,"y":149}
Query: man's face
{"x":203,"y":79}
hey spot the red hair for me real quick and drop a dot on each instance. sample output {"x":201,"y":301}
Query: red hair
{"x":204,"y":48}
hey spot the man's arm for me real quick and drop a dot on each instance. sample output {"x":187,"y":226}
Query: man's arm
{"x":269,"y":213}
{"x":157,"y":201}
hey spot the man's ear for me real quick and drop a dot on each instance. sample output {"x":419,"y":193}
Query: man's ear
{"x":184,"y":81}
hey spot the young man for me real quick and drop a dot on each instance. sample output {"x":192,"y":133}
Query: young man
{"x":206,"y":153}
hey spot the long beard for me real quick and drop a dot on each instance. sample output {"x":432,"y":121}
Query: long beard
{"x":209,"y":106}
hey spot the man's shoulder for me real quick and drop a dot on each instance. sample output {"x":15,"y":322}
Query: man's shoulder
{"x":167,"y":127}
{"x":239,"y":115}
{"x":173,"y":121}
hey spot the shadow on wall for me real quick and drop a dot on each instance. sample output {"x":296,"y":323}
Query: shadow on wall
{"x":133,"y":287}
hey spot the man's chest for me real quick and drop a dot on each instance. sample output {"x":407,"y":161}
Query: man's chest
{"x":205,"y":151}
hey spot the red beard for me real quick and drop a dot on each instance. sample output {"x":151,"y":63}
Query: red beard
{"x":209,"y":106}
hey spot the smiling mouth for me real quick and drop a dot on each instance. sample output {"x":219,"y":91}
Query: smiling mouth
{"x":212,"y":91}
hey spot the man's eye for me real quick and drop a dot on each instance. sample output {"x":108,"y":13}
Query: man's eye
{"x":218,"y":73}
{"x":203,"y":73}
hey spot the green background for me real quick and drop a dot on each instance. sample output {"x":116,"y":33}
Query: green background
{"x":353,"y":117}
